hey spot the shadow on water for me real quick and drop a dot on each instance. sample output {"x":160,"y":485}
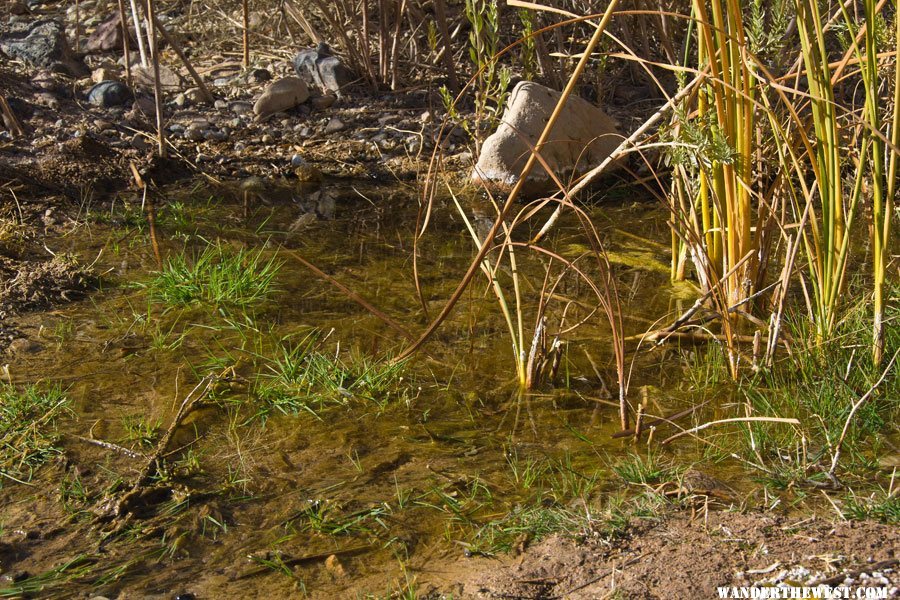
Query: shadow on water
{"x":313,"y":465}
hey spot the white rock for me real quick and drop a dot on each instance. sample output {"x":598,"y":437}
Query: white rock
{"x":583,"y":136}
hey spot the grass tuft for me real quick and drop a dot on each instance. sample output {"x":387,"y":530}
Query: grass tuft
{"x":28,"y":428}
{"x":218,"y":275}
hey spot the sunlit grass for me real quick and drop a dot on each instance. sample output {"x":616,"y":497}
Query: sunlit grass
{"x":28,"y":418}
{"x":217,"y":275}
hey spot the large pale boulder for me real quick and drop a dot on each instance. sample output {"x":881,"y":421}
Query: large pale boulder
{"x":282,"y":95}
{"x":582,"y":137}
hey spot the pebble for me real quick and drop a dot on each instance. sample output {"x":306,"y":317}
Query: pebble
{"x":139,"y":142}
{"x":240,"y":108}
{"x":258,"y":76}
{"x":181,"y":101}
{"x":297,"y":160}
{"x":215,"y":136}
{"x":195,"y":96}
{"x":220,"y":104}
{"x":22,"y":346}
{"x":235,"y":123}
{"x":268,"y":139}
{"x":426,"y":117}
{"x":323,"y":102}
{"x":109,"y":93}
{"x":334,"y":125}
{"x":176,"y":128}
{"x":193,"y":133}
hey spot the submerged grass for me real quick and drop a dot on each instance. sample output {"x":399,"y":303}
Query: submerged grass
{"x":28,"y":419}
{"x":218,"y":275}
{"x":301,"y":377}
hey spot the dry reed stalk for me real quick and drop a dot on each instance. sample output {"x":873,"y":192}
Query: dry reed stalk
{"x":77,"y":26}
{"x":475,"y":265}
{"x":124,"y":22}
{"x":395,"y":45}
{"x":147,"y":204}
{"x":157,"y":88}
{"x":139,"y":33}
{"x":246,"y":33}
{"x":15,"y":127}
{"x":440,"y":15}
{"x":173,"y":43}
{"x":788,"y":421}
{"x":304,"y":24}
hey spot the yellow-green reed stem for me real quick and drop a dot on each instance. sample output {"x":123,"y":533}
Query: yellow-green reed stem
{"x":827,"y":253}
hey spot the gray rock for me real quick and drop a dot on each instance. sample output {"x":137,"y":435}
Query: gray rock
{"x":241,"y":108}
{"x":42,"y":44}
{"x":109,"y":93}
{"x":195,"y":96}
{"x":169,"y":80}
{"x":319,"y":68}
{"x":282,"y":95}
{"x":145,"y":105}
{"x":323,"y":102}
{"x":213,"y":135}
{"x":194,"y":133}
{"x":220,"y":104}
{"x":139,"y":142}
{"x":258,"y":76}
{"x":583,"y":136}
{"x":106,"y":37}
{"x":334,"y":125}
{"x":297,"y":160}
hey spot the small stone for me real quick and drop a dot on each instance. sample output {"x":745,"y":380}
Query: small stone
{"x":105,"y":74}
{"x":334,"y":125}
{"x":220,"y":104}
{"x":334,"y":566}
{"x":22,"y":346}
{"x":426,"y":117}
{"x":215,"y":136}
{"x":195,"y":96}
{"x":109,"y":93}
{"x":258,"y":76}
{"x":139,"y":142}
{"x":323,"y":102}
{"x":145,"y":105}
{"x":193,"y":133}
{"x":297,"y":160}
{"x":181,"y":101}
{"x":176,"y":128}
{"x":235,"y":123}
{"x":268,"y":139}
{"x":60,"y":123}
{"x":241,"y":108}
